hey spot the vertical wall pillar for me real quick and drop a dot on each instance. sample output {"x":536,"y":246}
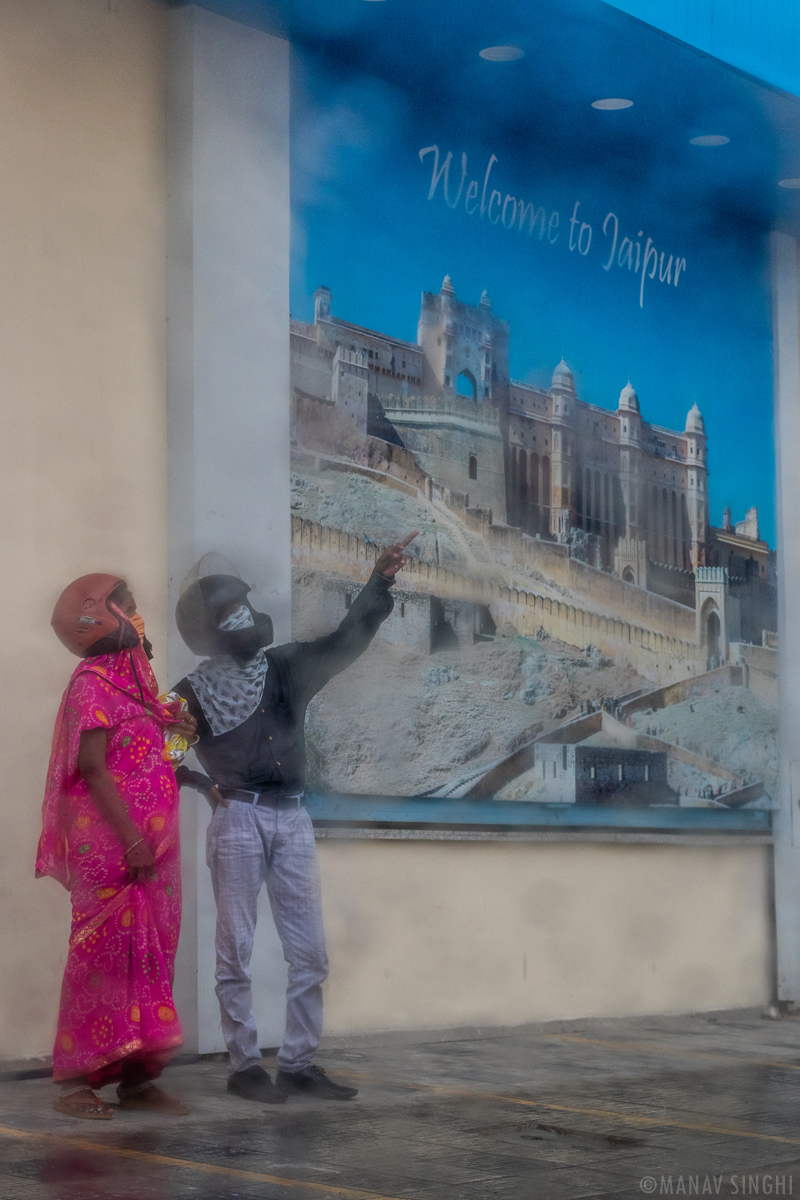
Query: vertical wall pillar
{"x":786,"y":335}
{"x":228,"y":398}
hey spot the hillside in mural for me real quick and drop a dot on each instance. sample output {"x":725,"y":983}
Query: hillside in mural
{"x":572,"y":627}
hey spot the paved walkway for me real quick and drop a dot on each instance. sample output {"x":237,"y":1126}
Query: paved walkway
{"x":696,"y":1105}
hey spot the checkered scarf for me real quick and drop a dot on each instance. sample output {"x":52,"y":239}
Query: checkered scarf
{"x":228,"y":690}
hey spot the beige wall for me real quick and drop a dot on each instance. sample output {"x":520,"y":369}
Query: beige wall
{"x":438,"y":934}
{"x":82,"y":449}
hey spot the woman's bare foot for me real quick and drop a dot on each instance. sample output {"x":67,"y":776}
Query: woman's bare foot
{"x":83,"y":1103}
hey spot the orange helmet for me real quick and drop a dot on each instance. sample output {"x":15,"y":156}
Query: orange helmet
{"x":83,"y":617}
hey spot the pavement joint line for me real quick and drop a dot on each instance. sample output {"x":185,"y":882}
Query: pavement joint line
{"x":644,"y":1048}
{"x":607,"y":1113}
{"x":350,"y":1193}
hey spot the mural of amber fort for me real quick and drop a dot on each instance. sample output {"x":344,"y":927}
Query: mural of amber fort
{"x":571,"y":628}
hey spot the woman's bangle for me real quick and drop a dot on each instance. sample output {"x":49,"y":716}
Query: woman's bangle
{"x":133,"y":847}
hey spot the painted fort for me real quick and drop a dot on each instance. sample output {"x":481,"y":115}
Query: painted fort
{"x":621,"y":495}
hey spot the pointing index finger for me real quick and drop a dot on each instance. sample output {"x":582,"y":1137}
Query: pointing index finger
{"x":410,"y":538}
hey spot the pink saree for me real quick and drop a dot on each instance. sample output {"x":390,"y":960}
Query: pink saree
{"x":116,"y":998}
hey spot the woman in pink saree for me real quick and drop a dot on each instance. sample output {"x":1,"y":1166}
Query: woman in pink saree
{"x":110,"y":836}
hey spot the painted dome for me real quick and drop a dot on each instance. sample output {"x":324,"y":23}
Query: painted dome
{"x":628,"y":399}
{"x":563,"y":377}
{"x":694,"y":421}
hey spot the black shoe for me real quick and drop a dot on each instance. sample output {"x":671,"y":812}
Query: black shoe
{"x":312,"y":1081}
{"x":255,"y":1084}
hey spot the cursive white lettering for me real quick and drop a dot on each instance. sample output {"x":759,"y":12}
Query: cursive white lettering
{"x":527,"y":212}
{"x":492,"y":161}
{"x":608,"y":265}
{"x":472,"y":194}
{"x":573,"y":221}
{"x":437,"y":171}
{"x":648,"y":250}
{"x":461,"y":184}
{"x":514,"y":214}
{"x":509,"y":224}
{"x":626,"y":256}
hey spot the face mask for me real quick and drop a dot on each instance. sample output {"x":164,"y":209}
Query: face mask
{"x":138,"y":624}
{"x":241,"y":618}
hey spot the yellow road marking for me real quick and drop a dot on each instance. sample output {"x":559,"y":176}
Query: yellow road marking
{"x":327,"y":1189}
{"x":643,"y":1048}
{"x":609,"y":1114}
{"x":632,"y":1118}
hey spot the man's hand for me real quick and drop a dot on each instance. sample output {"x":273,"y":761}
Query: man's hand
{"x":186,"y":725}
{"x":393,"y":558}
{"x":215,"y":798}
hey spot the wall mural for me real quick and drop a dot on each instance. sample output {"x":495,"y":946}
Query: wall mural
{"x":555,"y":362}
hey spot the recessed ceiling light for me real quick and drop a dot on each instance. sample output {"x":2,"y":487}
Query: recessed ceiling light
{"x":502,"y":53}
{"x":611,"y":103}
{"x":789,"y":183}
{"x":710,"y":139}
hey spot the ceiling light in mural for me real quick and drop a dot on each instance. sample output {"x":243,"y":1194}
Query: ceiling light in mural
{"x":710,"y":139}
{"x":502,"y":53}
{"x":611,"y":103}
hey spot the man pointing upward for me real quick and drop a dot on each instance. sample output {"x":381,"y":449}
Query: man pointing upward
{"x":250,"y":705}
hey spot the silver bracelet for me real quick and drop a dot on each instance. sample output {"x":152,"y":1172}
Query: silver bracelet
{"x":133,"y":847}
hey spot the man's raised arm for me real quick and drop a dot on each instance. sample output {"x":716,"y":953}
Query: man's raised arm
{"x":312,"y":664}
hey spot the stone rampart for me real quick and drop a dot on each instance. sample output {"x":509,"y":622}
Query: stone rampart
{"x":655,"y":655}
{"x":761,"y":666}
{"x":672,"y":582}
{"x":631,"y":603}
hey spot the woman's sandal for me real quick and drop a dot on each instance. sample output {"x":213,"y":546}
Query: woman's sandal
{"x":97,"y":1110}
{"x":149,"y":1098}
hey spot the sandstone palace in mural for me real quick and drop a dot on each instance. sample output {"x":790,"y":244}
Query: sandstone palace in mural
{"x":573,"y":626}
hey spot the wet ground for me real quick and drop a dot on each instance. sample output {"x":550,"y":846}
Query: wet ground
{"x":696,"y":1105}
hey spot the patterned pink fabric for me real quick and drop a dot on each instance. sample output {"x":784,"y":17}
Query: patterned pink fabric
{"x":116,"y":998}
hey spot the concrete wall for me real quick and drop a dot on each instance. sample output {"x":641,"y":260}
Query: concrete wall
{"x":227,"y":399}
{"x":786,"y":819}
{"x":433,"y":934}
{"x":82,"y":452}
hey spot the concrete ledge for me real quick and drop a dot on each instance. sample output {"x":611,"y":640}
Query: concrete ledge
{"x":524,"y":816}
{"x":618,"y":836}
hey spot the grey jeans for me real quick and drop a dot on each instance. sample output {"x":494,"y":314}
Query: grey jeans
{"x":247,"y":846}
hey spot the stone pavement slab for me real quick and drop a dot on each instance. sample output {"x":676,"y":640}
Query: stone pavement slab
{"x":704,"y":1104}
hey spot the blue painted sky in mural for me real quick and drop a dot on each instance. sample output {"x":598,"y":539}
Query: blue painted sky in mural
{"x":365,"y":227}
{"x":376,"y":82}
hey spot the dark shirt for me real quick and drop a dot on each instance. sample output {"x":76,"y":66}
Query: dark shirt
{"x":266,"y":753}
